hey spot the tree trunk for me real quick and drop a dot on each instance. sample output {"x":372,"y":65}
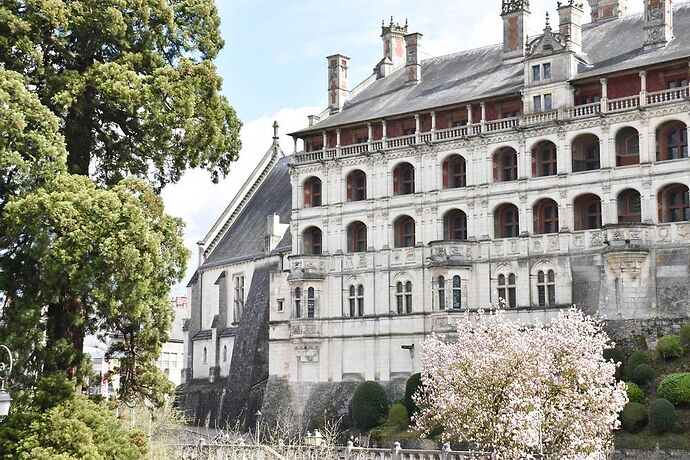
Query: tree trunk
{"x":79,"y":135}
{"x":66,"y":321}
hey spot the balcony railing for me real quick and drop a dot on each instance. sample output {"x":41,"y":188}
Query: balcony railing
{"x":622,"y":104}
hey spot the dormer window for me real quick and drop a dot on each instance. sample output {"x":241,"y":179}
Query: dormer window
{"x":547,"y":71}
{"x":541,"y":72}
{"x":536,"y":73}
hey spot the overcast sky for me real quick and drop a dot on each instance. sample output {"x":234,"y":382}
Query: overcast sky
{"x":274,"y":68}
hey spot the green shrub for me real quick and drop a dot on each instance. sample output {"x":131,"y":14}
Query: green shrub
{"x":685,"y":334}
{"x":635,"y":393}
{"x":614,"y":354}
{"x":669,"y":347}
{"x":398,"y":419}
{"x":675,"y":388}
{"x":411,"y":387}
{"x":633,"y":417}
{"x":643,"y":374}
{"x":369,"y":405}
{"x":662,"y":416}
{"x":635,"y":359}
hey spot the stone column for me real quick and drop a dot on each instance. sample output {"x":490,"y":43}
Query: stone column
{"x":643,"y":88}
{"x":604,"y":95}
{"x":433,"y":125}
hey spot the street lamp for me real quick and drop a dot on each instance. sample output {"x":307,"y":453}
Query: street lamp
{"x":5,"y":371}
{"x":258,"y":416}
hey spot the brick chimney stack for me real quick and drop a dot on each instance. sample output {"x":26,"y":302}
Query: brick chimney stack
{"x":603,"y":10}
{"x":658,"y":22}
{"x":338,"y":93}
{"x":515,"y":14}
{"x":413,"y":67}
{"x":393,"y":36}
{"x":570,"y":25}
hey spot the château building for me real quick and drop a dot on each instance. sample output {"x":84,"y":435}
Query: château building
{"x":545,"y":171}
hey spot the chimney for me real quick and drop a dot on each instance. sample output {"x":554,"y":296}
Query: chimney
{"x":515,"y":14}
{"x":603,"y":10}
{"x":413,"y":67}
{"x":658,"y":22}
{"x":570,"y":15}
{"x":393,"y":36}
{"x":338,"y":93}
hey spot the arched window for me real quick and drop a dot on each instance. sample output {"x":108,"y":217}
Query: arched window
{"x":312,"y":192}
{"x":312,"y":241}
{"x":674,"y":203}
{"x":298,"y":303}
{"x":403,"y":297}
{"x":225,"y":353}
{"x":629,"y":207}
{"x":441,"y":293}
{"x":506,"y":290}
{"x":672,"y":141}
{"x":585,"y":150}
{"x":587,"y":212}
{"x":356,"y":301}
{"x":457,"y":293}
{"x":205,"y":360}
{"x":545,"y":217}
{"x":544,"y":161}
{"x":506,"y":221}
{"x":455,"y":225}
{"x":311,"y":302}
{"x":356,"y":237}
{"x":546,"y":288}
{"x":403,"y":179}
{"x":357,"y":186}
{"x":454,"y":172}
{"x":627,"y":147}
{"x":505,"y":165}
{"x":404,"y":232}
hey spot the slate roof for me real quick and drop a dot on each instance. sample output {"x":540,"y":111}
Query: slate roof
{"x":610,"y":46}
{"x":244,"y":240}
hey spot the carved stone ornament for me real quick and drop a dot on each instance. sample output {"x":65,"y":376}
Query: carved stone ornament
{"x":627,"y":264}
{"x":307,"y":353}
{"x":511,"y":6}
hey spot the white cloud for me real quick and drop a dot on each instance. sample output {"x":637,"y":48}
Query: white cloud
{"x":199,"y":202}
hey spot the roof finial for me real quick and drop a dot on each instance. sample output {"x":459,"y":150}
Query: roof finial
{"x":275,"y":132}
{"x":548,"y":26}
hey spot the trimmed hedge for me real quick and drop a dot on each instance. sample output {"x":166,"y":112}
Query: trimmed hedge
{"x":398,"y":418}
{"x":614,"y":354}
{"x":685,"y":334}
{"x":662,"y":416}
{"x":635,"y":359}
{"x":413,"y":384}
{"x":643,"y":374}
{"x":635,"y":393}
{"x":669,"y":347}
{"x":634,"y":417}
{"x":369,"y":405}
{"x":675,"y":388}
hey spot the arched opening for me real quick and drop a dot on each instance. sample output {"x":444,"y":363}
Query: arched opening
{"x":545,"y":217}
{"x":587,"y":212}
{"x":403,"y":179}
{"x":356,"y":300}
{"x":671,"y":141}
{"x":454,"y":172}
{"x":627,"y":147}
{"x":629,"y":207}
{"x":457,"y":293}
{"x":544,"y":159}
{"x":455,"y":225}
{"x":546,"y":288}
{"x":403,"y":297}
{"x":586,"y":153}
{"x":404,"y":232}
{"x":356,"y":237}
{"x":312,"y":192}
{"x":507,"y":290}
{"x":505,"y":165}
{"x":506,"y":221}
{"x":225,"y":353}
{"x":312,"y":241}
{"x":311,"y":302}
{"x":674,"y":203}
{"x":357,"y":186}
{"x":205,"y":357}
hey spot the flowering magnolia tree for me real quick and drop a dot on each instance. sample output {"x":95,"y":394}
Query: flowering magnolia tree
{"x":520,"y":391}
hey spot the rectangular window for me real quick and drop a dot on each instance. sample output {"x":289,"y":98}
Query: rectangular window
{"x":547,"y":71}
{"x":536,"y":73}
{"x":173,"y":360}
{"x":537,"y":103}
{"x":281,"y":304}
{"x":238,"y":299}
{"x":548,"y":105}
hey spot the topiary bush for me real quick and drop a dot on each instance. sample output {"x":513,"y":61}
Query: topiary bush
{"x":635,"y":359}
{"x":662,"y":416}
{"x":635,"y":393}
{"x":685,"y":334}
{"x":643,"y":374}
{"x":617,"y":356}
{"x":669,"y":347}
{"x":675,"y":388}
{"x":633,"y":417}
{"x":398,"y":419}
{"x":413,"y":384}
{"x":369,"y":405}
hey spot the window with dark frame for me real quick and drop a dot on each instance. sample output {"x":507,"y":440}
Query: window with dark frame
{"x":311,"y":302}
{"x":587,"y":212}
{"x":546,"y":217}
{"x":536,"y":73}
{"x":238,"y":297}
{"x":629,"y":207}
{"x":454,"y":172}
{"x":506,"y":289}
{"x":455,"y":226}
{"x":356,"y":301}
{"x":627,"y":147}
{"x":404,"y":232}
{"x":313,"y":241}
{"x":505,"y":165}
{"x":546,"y":288}
{"x":547,"y":71}
{"x":312,"y":192}
{"x":507,"y":221}
{"x":457,"y":293}
{"x":403,"y":180}
{"x":298,"y":302}
{"x":674,"y":204}
{"x":357,"y":186}
{"x":548,"y":103}
{"x":545,"y":159}
{"x":672,"y":141}
{"x":356,"y":237}
{"x":441,"y":293}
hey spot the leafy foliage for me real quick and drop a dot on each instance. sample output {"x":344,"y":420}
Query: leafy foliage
{"x":675,"y":388}
{"x":634,"y":417}
{"x":369,"y":405}
{"x":643,"y":374}
{"x":635,"y":393}
{"x":510,"y":389}
{"x":635,"y":359}
{"x":398,"y":417}
{"x":685,"y":334}
{"x":662,"y":416}
{"x":413,"y":384}
{"x":669,"y":347}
